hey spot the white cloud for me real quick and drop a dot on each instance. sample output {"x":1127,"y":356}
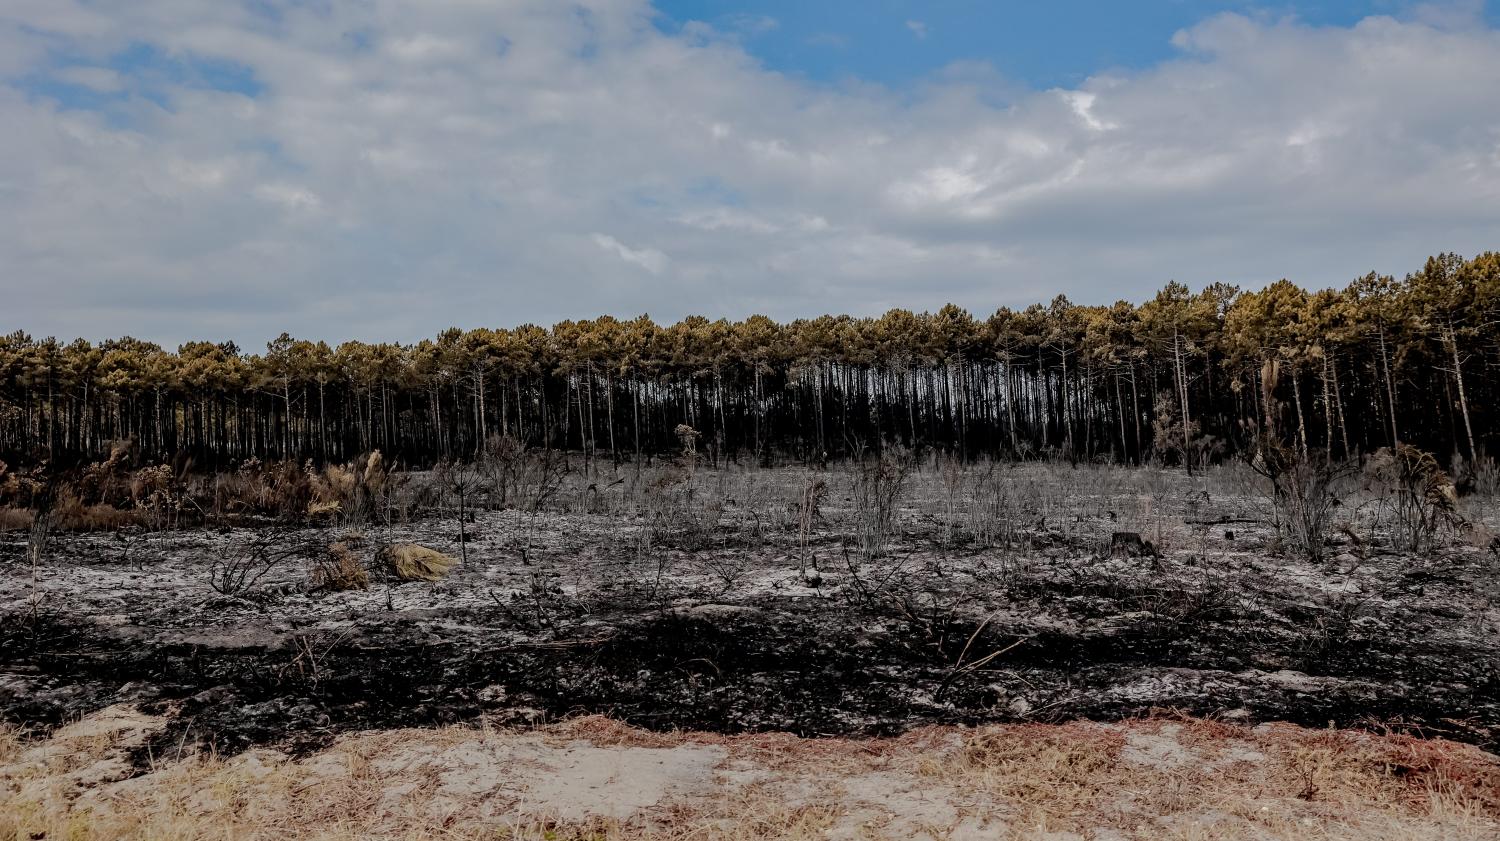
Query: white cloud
{"x":649,"y":259}
{"x":1450,"y":14}
{"x":289,"y":196}
{"x":473,"y":163}
{"x":100,"y":79}
{"x":1082,"y":103}
{"x":918,"y":28}
{"x":747,"y":24}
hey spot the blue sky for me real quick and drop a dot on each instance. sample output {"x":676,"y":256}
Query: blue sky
{"x":1044,"y":44}
{"x":177,"y":169}
{"x":141,"y":70}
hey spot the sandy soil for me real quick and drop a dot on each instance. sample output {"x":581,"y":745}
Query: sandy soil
{"x":593,"y":778}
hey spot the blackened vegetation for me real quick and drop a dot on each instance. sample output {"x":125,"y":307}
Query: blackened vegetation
{"x":860,"y":599}
{"x":1128,"y":544}
{"x":1055,"y":643}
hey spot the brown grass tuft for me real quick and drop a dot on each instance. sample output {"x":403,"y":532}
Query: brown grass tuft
{"x":411,"y":562}
{"x":69,"y":513}
{"x":339,"y":569}
{"x":15,"y":519}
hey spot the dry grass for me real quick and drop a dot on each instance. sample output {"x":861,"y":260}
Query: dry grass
{"x":15,"y":519}
{"x":411,"y":562}
{"x":339,"y":569}
{"x":72,"y":514}
{"x":1159,"y":779}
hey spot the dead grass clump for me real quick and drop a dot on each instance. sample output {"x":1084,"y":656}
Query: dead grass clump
{"x":1400,"y":777}
{"x":277,"y":489}
{"x":339,"y":570}
{"x":356,"y":492}
{"x":608,"y":732}
{"x":15,"y":519}
{"x":1429,"y":769}
{"x":333,"y":485}
{"x":69,"y":513}
{"x":411,"y":562}
{"x":1056,"y":770}
{"x":10,"y":741}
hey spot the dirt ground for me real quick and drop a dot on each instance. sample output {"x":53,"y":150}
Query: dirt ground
{"x":708,"y":602}
{"x":592,"y":778}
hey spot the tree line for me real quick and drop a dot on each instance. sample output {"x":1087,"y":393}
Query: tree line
{"x":1184,"y":377}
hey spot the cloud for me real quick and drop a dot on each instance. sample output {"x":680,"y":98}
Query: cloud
{"x":748,"y":24}
{"x":649,"y":259}
{"x":100,"y":79}
{"x":1449,"y":14}
{"x":918,"y":28}
{"x":375,"y":170}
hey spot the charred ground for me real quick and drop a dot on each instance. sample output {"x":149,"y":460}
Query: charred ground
{"x":817,"y":602}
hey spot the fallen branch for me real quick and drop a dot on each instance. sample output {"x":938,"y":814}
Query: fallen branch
{"x":959,"y":667}
{"x":550,"y":645}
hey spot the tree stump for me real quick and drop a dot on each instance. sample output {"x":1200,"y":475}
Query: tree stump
{"x":1128,"y":544}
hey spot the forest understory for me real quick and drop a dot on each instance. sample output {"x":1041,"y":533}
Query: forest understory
{"x":864,"y":600}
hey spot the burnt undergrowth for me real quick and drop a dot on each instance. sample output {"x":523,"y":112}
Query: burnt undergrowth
{"x":844,"y":669}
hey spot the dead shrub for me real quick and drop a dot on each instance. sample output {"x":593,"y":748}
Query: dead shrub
{"x":541,"y":478}
{"x":679,"y":514}
{"x":996,"y":512}
{"x":338,"y":569}
{"x":530,"y":480}
{"x":109,"y":481}
{"x":1421,"y":498}
{"x":22,"y":490}
{"x":1304,"y":490}
{"x":878,"y":485}
{"x":517,"y":476}
{"x":1476,"y":477}
{"x":687,"y":438}
{"x":243,"y":566}
{"x":501,"y":463}
{"x":809,"y":511}
{"x":465,"y":483}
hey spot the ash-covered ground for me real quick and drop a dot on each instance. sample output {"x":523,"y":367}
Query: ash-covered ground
{"x":751,"y":600}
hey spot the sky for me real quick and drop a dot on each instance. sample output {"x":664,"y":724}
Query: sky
{"x":381,"y":170}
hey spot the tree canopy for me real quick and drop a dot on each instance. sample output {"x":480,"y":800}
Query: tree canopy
{"x":1184,"y":377}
